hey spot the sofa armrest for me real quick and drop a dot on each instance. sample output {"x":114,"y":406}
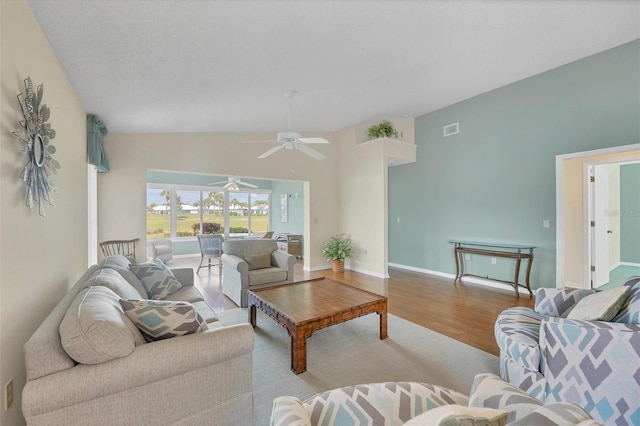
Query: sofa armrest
{"x":288,"y":410}
{"x":557,"y":302}
{"x":284,"y":261}
{"x":227,"y":349}
{"x":231,"y":262}
{"x":184,"y":275}
{"x":592,"y":364}
{"x":490,"y":391}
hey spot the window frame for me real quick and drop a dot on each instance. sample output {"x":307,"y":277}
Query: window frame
{"x":173,"y":212}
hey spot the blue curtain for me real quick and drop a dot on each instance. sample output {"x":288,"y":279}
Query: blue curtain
{"x":95,"y":143}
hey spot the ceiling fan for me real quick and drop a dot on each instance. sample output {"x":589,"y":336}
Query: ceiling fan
{"x":292,"y":140}
{"x":232,"y":184}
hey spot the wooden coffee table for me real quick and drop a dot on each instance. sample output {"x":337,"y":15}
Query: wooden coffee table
{"x":306,"y":306}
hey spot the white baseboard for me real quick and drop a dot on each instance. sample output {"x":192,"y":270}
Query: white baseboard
{"x":637,"y":265}
{"x":474,"y":280}
{"x":362,"y":271}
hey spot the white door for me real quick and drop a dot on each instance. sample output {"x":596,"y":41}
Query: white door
{"x":601,"y":230}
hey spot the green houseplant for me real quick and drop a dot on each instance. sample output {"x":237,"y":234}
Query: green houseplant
{"x":337,"y":249}
{"x":384,"y":129}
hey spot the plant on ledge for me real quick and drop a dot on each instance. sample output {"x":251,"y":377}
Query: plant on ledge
{"x":337,"y":249}
{"x":384,"y":129}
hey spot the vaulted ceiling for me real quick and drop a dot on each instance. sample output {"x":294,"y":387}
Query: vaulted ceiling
{"x":223,"y":66}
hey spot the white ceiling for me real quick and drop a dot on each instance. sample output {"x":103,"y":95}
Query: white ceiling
{"x":218,"y":66}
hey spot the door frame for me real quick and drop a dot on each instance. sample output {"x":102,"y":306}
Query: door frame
{"x":560,"y":196}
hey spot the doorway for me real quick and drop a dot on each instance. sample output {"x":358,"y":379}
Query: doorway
{"x":574,"y":253}
{"x":614,"y":221}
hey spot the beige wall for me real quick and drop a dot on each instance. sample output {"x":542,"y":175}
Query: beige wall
{"x":347,"y":192}
{"x":41,"y":257}
{"x":122,"y":191}
{"x":574,"y":215}
{"x":363,"y":193}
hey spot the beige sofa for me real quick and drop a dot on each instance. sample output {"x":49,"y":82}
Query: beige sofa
{"x":248,"y":264}
{"x":200,"y":378}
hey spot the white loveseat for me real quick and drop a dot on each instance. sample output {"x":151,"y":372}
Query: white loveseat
{"x":248,"y":264}
{"x":199,"y":378}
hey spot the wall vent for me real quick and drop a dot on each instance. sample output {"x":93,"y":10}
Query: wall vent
{"x":451,"y":129}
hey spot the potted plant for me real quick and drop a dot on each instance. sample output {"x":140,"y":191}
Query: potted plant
{"x":384,"y":129}
{"x":337,"y":249}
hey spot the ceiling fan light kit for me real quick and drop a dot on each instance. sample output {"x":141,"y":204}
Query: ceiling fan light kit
{"x":292,"y":140}
{"x":232,"y":184}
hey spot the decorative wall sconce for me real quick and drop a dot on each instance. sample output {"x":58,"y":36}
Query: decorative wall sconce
{"x":36,"y":134}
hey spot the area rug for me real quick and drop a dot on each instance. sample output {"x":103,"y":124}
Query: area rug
{"x":352,"y":353}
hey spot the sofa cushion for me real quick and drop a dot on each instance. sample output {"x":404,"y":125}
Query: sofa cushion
{"x":163,"y":319}
{"x":600,"y":306}
{"x":258,"y":260}
{"x":112,"y":280}
{"x":266,"y":275}
{"x":205,"y":312}
{"x":121,"y":264}
{"x":517,"y":333}
{"x":156,"y":278}
{"x":95,"y":329}
{"x":459,"y":415}
{"x":630,"y":311}
{"x":187,"y":293}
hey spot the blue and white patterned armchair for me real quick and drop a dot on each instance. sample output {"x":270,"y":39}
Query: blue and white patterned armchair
{"x":592,"y":364}
{"x":399,"y":403}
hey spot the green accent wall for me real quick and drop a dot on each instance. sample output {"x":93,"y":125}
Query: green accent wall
{"x":630,"y":213}
{"x":295,"y":207}
{"x":496,"y":178}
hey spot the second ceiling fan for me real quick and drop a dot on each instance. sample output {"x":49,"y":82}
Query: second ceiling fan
{"x":292,"y":140}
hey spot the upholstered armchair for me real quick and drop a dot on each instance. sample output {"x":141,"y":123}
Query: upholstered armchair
{"x":160,"y":248}
{"x":492,"y":402}
{"x":594,"y":364}
{"x":248,"y":264}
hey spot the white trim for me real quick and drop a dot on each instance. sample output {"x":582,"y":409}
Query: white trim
{"x":560,"y":243}
{"x":92,"y":212}
{"x":637,"y":265}
{"x":473,"y":280}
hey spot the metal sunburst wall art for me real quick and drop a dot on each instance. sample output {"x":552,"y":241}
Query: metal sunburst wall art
{"x":36,"y":134}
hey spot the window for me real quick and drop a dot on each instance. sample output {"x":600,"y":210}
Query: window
{"x":158,"y":212}
{"x":183,"y":211}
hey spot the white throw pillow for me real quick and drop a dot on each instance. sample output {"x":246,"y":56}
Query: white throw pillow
{"x":600,"y":306}
{"x":95,"y":328}
{"x":459,"y":415}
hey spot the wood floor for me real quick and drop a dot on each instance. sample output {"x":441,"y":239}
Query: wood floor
{"x":465,"y":312}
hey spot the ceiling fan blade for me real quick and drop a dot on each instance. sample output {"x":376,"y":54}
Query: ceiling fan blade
{"x":313,"y":140}
{"x":250,"y":185}
{"x":262,"y":141}
{"x":309,"y":151}
{"x":217,"y":183}
{"x":272,"y":150}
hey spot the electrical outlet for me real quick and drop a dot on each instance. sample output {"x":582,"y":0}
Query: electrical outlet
{"x":546,"y":223}
{"x":494,"y":260}
{"x":8,"y":394}
{"x":467,"y":256}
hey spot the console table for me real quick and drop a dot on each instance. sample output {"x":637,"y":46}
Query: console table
{"x":512,"y":251}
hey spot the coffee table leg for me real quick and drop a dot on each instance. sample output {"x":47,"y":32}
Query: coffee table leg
{"x":298,"y":351}
{"x":252,"y":315}
{"x":383,"y":324}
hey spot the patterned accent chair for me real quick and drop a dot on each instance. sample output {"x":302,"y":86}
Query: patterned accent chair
{"x":395,"y":403}
{"x":593,"y":364}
